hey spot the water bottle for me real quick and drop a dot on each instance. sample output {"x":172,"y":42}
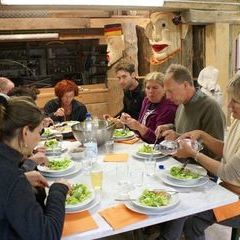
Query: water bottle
{"x":88,"y":122}
{"x":91,"y":149}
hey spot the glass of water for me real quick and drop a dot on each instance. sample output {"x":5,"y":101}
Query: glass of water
{"x":150,"y":166}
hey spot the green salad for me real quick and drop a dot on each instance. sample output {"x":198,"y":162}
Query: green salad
{"x":78,"y":194}
{"x":146,"y":148}
{"x":122,"y":133}
{"x":51,"y":144}
{"x":154,"y":198}
{"x":183,"y":174}
{"x":47,"y":132}
{"x":59,"y":164}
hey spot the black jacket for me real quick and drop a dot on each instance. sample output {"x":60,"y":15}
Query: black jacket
{"x":132,"y":101}
{"x":79,"y":110}
{"x":21,"y":216}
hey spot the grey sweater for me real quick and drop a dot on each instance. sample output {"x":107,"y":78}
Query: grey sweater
{"x":203,"y":113}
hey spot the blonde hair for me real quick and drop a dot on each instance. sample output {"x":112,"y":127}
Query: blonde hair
{"x":234,"y":87}
{"x":155,"y":76}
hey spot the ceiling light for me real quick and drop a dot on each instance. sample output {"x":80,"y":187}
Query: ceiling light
{"x":149,"y":3}
{"x":31,"y":36}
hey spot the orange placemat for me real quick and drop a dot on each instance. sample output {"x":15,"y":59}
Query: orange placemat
{"x":116,"y":157}
{"x":120,"y":216}
{"x":227,"y":211}
{"x":130,"y":141}
{"x":78,"y":222}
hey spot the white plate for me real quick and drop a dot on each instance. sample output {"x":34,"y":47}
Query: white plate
{"x":174,"y":200}
{"x":89,"y":206}
{"x":55,"y":151}
{"x":158,"y":157}
{"x":174,"y":183}
{"x":135,"y":208}
{"x":45,"y":169}
{"x":157,"y":153}
{"x":65,"y":127}
{"x":130,"y":135}
{"x":76,"y":168}
{"x":71,"y":207}
{"x":195,"y":168}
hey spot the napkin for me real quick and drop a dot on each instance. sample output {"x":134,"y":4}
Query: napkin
{"x":128,"y":141}
{"x":78,"y":222}
{"x":116,"y":157}
{"x":120,"y":216}
{"x":227,"y":211}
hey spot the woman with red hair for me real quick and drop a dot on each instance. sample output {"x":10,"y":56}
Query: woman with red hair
{"x":65,"y":107}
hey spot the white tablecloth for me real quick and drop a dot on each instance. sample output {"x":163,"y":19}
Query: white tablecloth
{"x":199,"y":199}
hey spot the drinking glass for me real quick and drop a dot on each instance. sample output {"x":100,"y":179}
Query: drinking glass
{"x":150,"y":166}
{"x":122,"y":171}
{"x":96,"y":175}
{"x":109,"y":146}
{"x":136,"y":177}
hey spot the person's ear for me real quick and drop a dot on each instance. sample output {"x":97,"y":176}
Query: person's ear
{"x":133,"y":75}
{"x":25,"y":132}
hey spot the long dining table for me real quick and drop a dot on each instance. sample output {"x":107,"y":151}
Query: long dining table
{"x":192,"y":199}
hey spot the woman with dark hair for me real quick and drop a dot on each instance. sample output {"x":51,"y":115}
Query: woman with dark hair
{"x":21,"y":216}
{"x":65,"y":107}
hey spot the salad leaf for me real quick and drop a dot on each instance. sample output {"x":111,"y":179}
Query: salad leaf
{"x":122,"y":132}
{"x":183,"y":174}
{"x":51,"y":144}
{"x":154,"y":198}
{"x":146,"y":148}
{"x":59,"y":164}
{"x":47,"y":132}
{"x":78,"y":194}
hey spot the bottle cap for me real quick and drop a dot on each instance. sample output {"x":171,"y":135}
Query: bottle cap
{"x":161,"y":167}
{"x":88,"y":115}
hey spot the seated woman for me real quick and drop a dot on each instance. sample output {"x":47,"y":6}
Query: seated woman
{"x":21,"y":216}
{"x":65,"y":107}
{"x":228,"y":170}
{"x":155,"y":110}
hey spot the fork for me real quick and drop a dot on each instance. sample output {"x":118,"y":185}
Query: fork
{"x":184,"y":165}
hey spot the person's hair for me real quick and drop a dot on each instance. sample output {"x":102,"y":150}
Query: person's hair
{"x":15,"y":114}
{"x":234,"y":87}
{"x":65,"y":86}
{"x":125,"y":66}
{"x":179,"y":73}
{"x":156,"y":76}
{"x":31,"y":92}
{"x":4,"y":82}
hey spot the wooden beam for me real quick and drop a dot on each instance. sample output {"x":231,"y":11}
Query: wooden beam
{"x":203,"y":5}
{"x":43,"y":23}
{"x":23,"y":13}
{"x":205,"y":17}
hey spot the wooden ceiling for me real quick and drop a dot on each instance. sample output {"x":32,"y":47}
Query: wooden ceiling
{"x":193,"y":11}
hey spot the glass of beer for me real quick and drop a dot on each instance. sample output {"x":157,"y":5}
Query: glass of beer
{"x":96,"y":175}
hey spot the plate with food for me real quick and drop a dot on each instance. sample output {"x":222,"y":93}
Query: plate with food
{"x":122,"y":134}
{"x":74,"y":170}
{"x":48,"y":133}
{"x":88,"y":206}
{"x":64,"y":127}
{"x":190,"y":174}
{"x":154,"y":200}
{"x":57,"y":165}
{"x":53,"y":147}
{"x":79,"y":196}
{"x":147,"y":150}
{"x":77,"y":152}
